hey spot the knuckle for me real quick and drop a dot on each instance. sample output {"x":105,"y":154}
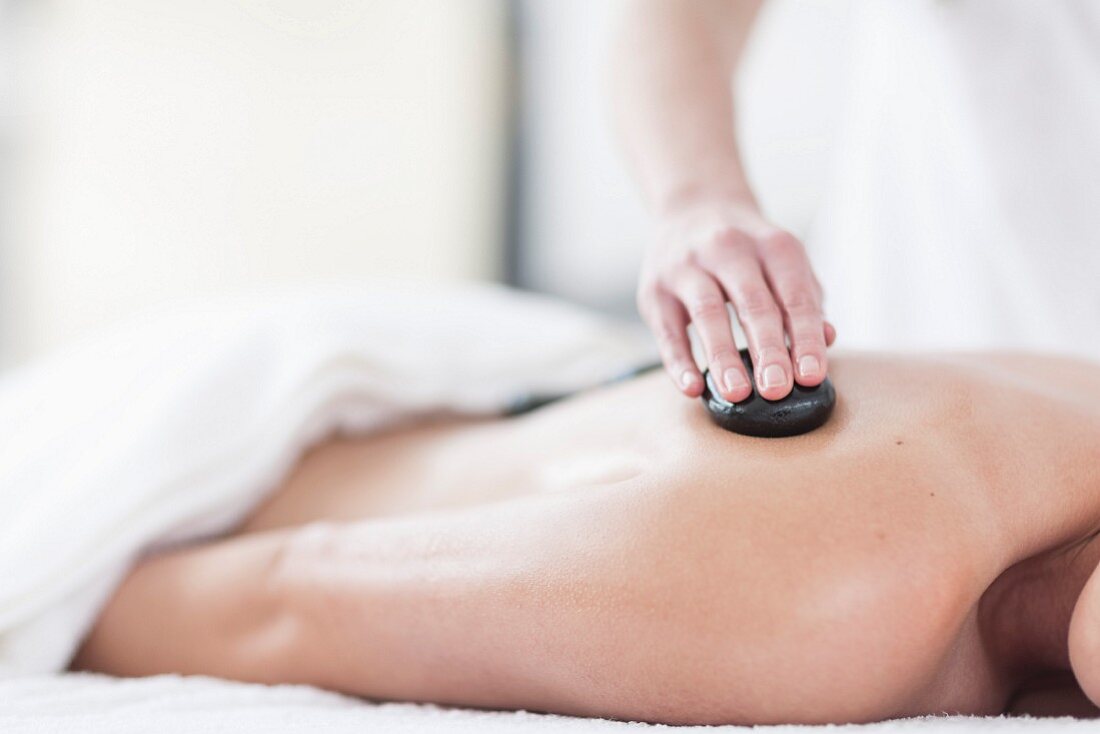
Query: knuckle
{"x":808,"y":338}
{"x":723,"y":353}
{"x":707,"y":306}
{"x":669,"y":358}
{"x":677,"y":278}
{"x":781,"y":243}
{"x":678,"y":262}
{"x":757,"y":303}
{"x":710,"y":249}
{"x":669,"y":335}
{"x":725,"y":241}
{"x":800,"y":302}
{"x":768,"y":351}
{"x":665,"y":345}
{"x":731,"y":237}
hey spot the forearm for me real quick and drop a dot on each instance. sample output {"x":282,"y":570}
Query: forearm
{"x":674,"y":99}
{"x":714,"y":246}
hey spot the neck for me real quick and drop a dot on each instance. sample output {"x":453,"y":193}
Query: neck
{"x":1025,"y":614}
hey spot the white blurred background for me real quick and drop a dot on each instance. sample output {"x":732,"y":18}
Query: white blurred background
{"x":153,"y":149}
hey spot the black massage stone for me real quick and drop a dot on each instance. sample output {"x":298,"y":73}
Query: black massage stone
{"x":805,"y":409}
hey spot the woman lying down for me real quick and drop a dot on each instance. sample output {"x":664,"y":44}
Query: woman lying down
{"x":615,"y":554}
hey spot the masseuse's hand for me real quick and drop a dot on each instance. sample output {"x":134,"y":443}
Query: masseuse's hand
{"x":708,"y":254}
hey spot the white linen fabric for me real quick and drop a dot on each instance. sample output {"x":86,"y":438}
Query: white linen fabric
{"x":963,"y":207}
{"x":173,"y":426}
{"x":95,"y":704}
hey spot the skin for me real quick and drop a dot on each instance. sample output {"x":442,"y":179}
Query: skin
{"x":674,"y":103}
{"x":618,"y":555}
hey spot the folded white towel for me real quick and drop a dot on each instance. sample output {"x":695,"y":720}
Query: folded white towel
{"x":173,"y":426}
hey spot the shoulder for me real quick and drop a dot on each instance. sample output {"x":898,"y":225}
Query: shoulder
{"x":1084,"y":639}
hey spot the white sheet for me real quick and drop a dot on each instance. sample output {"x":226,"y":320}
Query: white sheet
{"x":94,"y":704}
{"x":172,"y":427}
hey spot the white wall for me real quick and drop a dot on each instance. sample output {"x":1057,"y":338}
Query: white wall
{"x":585,"y":225}
{"x":167,"y":148}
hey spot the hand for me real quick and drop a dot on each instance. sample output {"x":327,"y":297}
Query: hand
{"x":709,"y":254}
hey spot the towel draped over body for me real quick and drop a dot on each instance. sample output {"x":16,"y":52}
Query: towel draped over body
{"x":170,"y":428}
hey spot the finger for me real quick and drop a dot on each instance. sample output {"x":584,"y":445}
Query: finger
{"x":740,"y":274}
{"x":830,"y":334}
{"x":807,"y":338}
{"x":792,"y":282}
{"x":805,"y":327}
{"x":668,"y":321}
{"x":705,"y":303}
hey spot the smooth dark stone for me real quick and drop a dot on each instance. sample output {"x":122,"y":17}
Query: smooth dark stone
{"x":805,"y":409}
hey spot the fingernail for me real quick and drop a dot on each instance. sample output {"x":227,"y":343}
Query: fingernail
{"x":687,"y":378}
{"x":735,"y":381}
{"x":808,"y":365}
{"x":773,"y":376}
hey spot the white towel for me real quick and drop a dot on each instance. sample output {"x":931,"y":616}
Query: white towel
{"x":172,"y":427}
{"x":168,"y":704}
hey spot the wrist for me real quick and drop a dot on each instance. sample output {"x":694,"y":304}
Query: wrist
{"x":698,"y":196}
{"x":722,"y":202}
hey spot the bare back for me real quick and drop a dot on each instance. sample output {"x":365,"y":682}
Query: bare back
{"x":965,"y":431}
{"x":616,"y":554}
